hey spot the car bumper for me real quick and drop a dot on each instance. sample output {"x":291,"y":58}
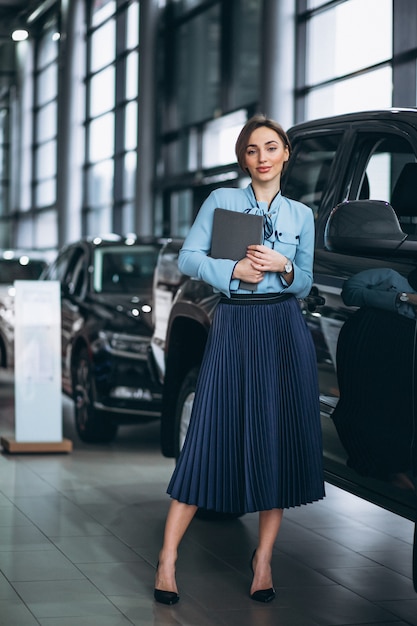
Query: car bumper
{"x":126,"y":388}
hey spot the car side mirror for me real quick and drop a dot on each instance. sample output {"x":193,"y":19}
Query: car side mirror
{"x":366,"y":226}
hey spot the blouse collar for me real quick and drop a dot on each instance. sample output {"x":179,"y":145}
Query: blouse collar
{"x":263,"y":206}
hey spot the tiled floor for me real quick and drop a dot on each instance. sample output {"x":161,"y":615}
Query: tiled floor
{"x":80,"y":533}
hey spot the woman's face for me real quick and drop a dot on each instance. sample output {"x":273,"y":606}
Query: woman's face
{"x":265,"y":155}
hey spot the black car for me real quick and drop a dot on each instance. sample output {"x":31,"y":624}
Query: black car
{"x":106,"y":304}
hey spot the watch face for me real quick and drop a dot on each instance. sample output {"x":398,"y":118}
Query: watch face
{"x":288,"y":267}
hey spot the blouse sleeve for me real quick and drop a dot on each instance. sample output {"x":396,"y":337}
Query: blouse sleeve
{"x":193,"y":258}
{"x":303,"y":260}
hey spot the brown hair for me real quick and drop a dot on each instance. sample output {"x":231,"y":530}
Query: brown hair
{"x":252,"y":124}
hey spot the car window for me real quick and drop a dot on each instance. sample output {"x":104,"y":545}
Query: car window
{"x":78,"y":276}
{"x":122,"y":269}
{"x":56,"y":271}
{"x":73,"y":277}
{"x":387,"y":170}
{"x":309,"y":169}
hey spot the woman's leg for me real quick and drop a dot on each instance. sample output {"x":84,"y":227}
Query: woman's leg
{"x":179,"y":518}
{"x":269,"y":525}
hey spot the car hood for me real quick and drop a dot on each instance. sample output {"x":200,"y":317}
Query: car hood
{"x":124,"y":308}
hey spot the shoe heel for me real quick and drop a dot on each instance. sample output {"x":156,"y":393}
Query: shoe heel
{"x":262,"y":595}
{"x":165,"y":597}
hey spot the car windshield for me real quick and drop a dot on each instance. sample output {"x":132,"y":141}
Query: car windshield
{"x":20,"y":269}
{"x":123,"y":269}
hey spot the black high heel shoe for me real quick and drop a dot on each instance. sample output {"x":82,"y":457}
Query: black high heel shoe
{"x":165,"y":597}
{"x":262,"y":595}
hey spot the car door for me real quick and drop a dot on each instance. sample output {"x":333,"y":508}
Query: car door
{"x":312,"y":179}
{"x":367,"y":164}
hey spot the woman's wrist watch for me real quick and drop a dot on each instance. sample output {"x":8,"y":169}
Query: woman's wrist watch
{"x":287,"y":267}
{"x":403,"y":297}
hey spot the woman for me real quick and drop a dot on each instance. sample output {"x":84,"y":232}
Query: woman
{"x":254,"y":441}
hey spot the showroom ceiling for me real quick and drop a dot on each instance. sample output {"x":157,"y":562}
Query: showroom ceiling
{"x":13,"y":13}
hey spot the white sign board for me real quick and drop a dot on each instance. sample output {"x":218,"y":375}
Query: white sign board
{"x":38,"y":399}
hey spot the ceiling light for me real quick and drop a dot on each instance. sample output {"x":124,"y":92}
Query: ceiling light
{"x":20,"y":35}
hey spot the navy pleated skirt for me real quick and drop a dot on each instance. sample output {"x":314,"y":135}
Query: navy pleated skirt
{"x":254,"y":440}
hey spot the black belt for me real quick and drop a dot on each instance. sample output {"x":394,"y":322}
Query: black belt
{"x":260,"y":298}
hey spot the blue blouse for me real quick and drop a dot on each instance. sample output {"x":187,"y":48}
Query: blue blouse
{"x":293,"y":236}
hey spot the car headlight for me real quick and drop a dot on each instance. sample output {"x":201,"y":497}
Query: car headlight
{"x":132,"y":346}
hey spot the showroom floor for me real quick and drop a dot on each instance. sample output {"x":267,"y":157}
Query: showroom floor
{"x":80,"y":534}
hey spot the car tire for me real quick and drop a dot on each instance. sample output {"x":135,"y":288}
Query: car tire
{"x":182,"y":421}
{"x":92,"y":426}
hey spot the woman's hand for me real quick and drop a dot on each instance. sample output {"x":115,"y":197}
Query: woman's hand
{"x":244,"y":270}
{"x":265,"y":259}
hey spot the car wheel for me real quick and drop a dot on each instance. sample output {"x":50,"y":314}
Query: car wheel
{"x":92,"y":426}
{"x":182,"y":421}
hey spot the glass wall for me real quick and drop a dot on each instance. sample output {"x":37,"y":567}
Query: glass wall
{"x":209,"y":85}
{"x":46,"y":118}
{"x":245,"y":53}
{"x":23,"y":133}
{"x":210,"y":58}
{"x":346,"y":49}
{"x":34,"y":135}
{"x":6,"y":71}
{"x":101,"y":87}
{"x":4,"y":158}
{"x":112,"y":111}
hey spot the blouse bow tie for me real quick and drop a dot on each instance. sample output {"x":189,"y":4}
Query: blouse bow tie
{"x":268,"y":226}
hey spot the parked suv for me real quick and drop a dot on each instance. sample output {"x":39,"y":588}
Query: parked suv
{"x":358,"y":173}
{"x":106,"y":305}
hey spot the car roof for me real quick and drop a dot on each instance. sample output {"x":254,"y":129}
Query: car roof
{"x":129,"y":239}
{"x":103,"y":241}
{"x":408,"y":115}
